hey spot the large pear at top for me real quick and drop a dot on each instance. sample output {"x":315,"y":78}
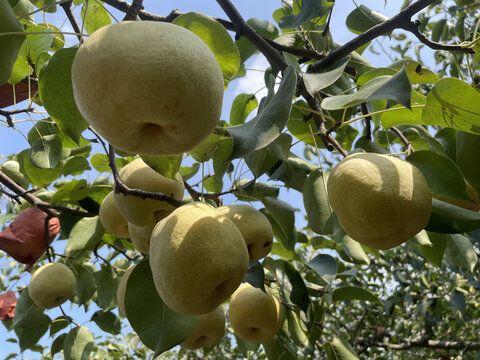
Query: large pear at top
{"x":149,"y":88}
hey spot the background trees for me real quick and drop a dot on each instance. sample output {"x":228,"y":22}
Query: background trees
{"x":324,"y":100}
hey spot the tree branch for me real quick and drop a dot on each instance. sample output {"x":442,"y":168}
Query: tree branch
{"x":67,"y":8}
{"x":120,"y":187}
{"x":8,"y":115}
{"x":276,"y":60}
{"x":408,"y":144}
{"x":36,"y":202}
{"x":412,"y":26}
{"x":134,"y":10}
{"x":398,"y":21}
{"x":432,"y":344}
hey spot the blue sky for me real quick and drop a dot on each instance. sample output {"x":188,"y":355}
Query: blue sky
{"x":12,"y":141}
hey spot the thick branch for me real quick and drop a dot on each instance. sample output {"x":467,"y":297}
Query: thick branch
{"x":395,"y":22}
{"x":275,"y":59}
{"x":120,"y":187}
{"x":134,"y":10}
{"x":67,"y":8}
{"x":36,"y":202}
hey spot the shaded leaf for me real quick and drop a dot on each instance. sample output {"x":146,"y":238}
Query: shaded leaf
{"x":163,"y":328}
{"x":315,"y":200}
{"x":85,"y":234}
{"x":268,"y":124}
{"x":78,"y":344}
{"x":325,"y":266}
{"x":242,"y":106}
{"x":362,"y":18}
{"x":354,"y":293}
{"x":448,"y":218}
{"x":311,"y":9}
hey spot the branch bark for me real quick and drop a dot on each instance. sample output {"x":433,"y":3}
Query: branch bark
{"x":400,"y":21}
{"x":67,"y":8}
{"x":38,"y":203}
{"x":120,"y":187}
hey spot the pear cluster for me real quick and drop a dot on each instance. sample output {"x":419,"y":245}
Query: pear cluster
{"x":198,"y":254}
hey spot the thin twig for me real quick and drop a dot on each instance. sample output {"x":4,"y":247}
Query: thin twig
{"x":46,"y":236}
{"x":196,"y":195}
{"x":408,"y":144}
{"x":8,"y":114}
{"x":412,"y":26}
{"x":120,"y":187}
{"x":368,"y":121}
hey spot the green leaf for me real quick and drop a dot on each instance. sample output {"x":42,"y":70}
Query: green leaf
{"x":73,"y":190}
{"x":317,"y":207}
{"x":206,"y":149}
{"x":94,"y":16}
{"x":275,"y":349}
{"x":268,"y":124}
{"x":455,"y":104}
{"x":86,"y":233}
{"x":46,"y":151}
{"x":250,"y":190}
{"x":384,"y":87}
{"x":292,"y":281}
{"x":255,"y":275}
{"x":434,"y":253}
{"x":41,"y":129}
{"x":188,"y":171}
{"x":311,"y":9}
{"x":447,"y":218}
{"x":85,"y":286}
{"x":21,"y":69}
{"x":317,"y":82}
{"x":264,"y":28}
{"x":38,"y":177}
{"x":467,"y":155}
{"x":78,"y":344}
{"x":354,"y":293}
{"x":325,"y":266}
{"x":106,"y":282}
{"x":57,"y":344}
{"x":163,"y":328}
{"x":362,"y":18}
{"x":284,"y":215}
{"x":55,"y":88}
{"x":460,"y":252}
{"x":107,"y":321}
{"x":168,"y":166}
{"x":216,"y":38}
{"x":339,"y":349}
{"x":417,"y":73}
{"x":76,"y":165}
{"x":100,"y":162}
{"x":34,"y":44}
{"x":58,"y":324}
{"x":29,"y":335}
{"x":26,"y":311}
{"x":442,"y":174}
{"x":10,"y":44}
{"x":242,"y":105}
{"x":22,"y":8}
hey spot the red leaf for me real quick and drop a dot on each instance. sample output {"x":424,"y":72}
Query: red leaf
{"x":8,"y":300}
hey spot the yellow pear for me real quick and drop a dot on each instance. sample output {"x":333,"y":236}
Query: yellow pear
{"x":380,"y":201}
{"x":209,"y":330}
{"x":122,"y":289}
{"x":254,"y":226}
{"x":140,"y":236}
{"x":51,"y":285}
{"x":143,"y":212}
{"x":198,"y":258}
{"x":148,"y":87}
{"x":255,"y":316}
{"x":111,"y":218}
